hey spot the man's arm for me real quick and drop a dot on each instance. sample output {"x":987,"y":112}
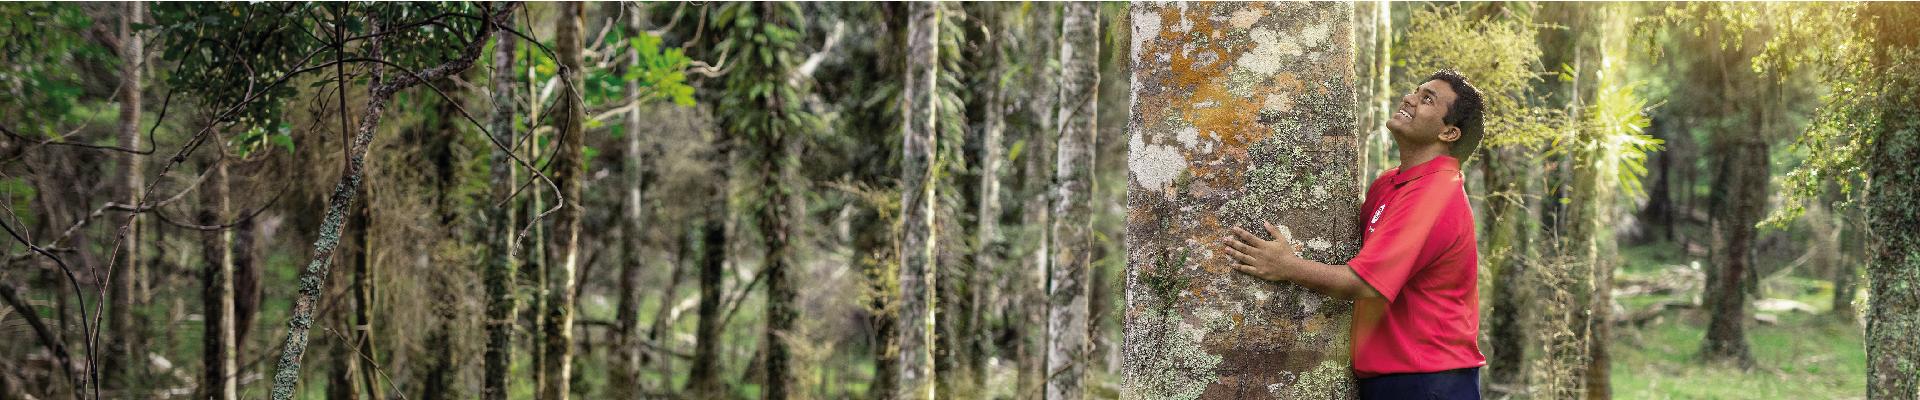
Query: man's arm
{"x":1274,"y":260}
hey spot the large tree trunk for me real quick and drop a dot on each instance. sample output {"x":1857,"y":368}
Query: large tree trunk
{"x":567,"y":168}
{"x":219,"y":380}
{"x":1071,"y":231}
{"x":1893,"y":273}
{"x":1206,"y":154}
{"x":918,"y":195}
{"x":1743,"y":178}
{"x":502,"y":223}
{"x":124,"y":353}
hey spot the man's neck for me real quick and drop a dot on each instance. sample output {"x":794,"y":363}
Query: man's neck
{"x":1416,"y":155}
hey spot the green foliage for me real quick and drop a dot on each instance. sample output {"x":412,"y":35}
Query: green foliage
{"x":40,"y":45}
{"x":661,"y":72}
{"x":258,"y":137}
{"x":761,"y":41}
{"x":223,"y":52}
{"x":1612,"y":135}
{"x":1501,"y":57}
{"x":1842,"y":47}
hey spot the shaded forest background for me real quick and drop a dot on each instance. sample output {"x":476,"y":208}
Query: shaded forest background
{"x":883,"y":200}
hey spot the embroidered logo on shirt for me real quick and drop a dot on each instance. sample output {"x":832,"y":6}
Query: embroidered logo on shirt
{"x":1376,"y":217}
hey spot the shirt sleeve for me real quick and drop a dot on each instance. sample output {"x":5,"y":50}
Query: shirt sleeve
{"x":1392,"y":253}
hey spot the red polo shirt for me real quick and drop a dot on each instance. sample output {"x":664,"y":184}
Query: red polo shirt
{"x":1419,"y":252}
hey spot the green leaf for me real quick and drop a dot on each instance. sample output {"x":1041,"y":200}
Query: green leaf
{"x":284,"y":141}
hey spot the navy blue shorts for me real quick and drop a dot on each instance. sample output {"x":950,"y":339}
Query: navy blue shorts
{"x":1459,"y":384}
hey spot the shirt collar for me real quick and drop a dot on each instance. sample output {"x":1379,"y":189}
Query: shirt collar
{"x":1437,"y":164}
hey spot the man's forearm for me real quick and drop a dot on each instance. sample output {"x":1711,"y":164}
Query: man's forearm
{"x":1338,"y":281}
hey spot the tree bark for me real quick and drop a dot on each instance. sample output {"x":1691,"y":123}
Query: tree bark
{"x":1743,"y":179}
{"x":1509,"y":244}
{"x":567,"y":167}
{"x":218,"y":381}
{"x":313,"y":278}
{"x":1071,"y":233}
{"x":703,"y":379}
{"x":918,"y":268}
{"x":1206,"y":155}
{"x":124,"y":353}
{"x":1893,"y":272}
{"x":1030,"y":283}
{"x":365,"y":290}
{"x":986,"y":257}
{"x":625,"y":382}
{"x":502,"y":306}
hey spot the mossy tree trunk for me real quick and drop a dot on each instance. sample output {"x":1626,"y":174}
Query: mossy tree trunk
{"x":1071,"y":231}
{"x":1893,"y":273}
{"x":502,"y":223}
{"x":918,"y":195}
{"x":1029,"y":287}
{"x":313,"y":277}
{"x":1509,"y":246}
{"x":1242,"y":113}
{"x":565,"y":240}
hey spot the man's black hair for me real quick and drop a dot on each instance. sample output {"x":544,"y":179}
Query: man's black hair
{"x":1465,"y":112}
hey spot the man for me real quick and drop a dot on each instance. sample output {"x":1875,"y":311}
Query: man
{"x":1414,"y":283}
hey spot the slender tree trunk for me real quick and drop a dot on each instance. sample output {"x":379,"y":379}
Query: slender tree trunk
{"x":246,"y":278}
{"x":124,"y":354}
{"x":1509,"y":243}
{"x":11,"y":296}
{"x":778,"y":223}
{"x":1071,"y":232}
{"x":1743,"y":178}
{"x":502,"y":229}
{"x":313,"y":278}
{"x":567,"y":168}
{"x":703,"y":379}
{"x":1030,"y":284}
{"x":1587,"y":237}
{"x":340,"y":377}
{"x":874,"y":253}
{"x":1846,"y":272}
{"x":218,"y":381}
{"x":365,"y":290}
{"x":1194,"y":327}
{"x":664,"y":316}
{"x":917,"y":243}
{"x":625,"y":381}
{"x":986,"y":256}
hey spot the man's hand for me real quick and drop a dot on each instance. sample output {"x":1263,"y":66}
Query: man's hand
{"x":1270,"y":260}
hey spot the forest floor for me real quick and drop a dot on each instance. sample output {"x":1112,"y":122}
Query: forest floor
{"x":1806,"y":354}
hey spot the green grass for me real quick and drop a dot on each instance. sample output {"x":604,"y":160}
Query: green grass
{"x":1805,"y":356}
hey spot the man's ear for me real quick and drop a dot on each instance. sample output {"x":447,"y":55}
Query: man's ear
{"x":1450,"y":134}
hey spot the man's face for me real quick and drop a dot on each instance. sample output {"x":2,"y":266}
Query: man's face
{"x":1420,"y":117}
